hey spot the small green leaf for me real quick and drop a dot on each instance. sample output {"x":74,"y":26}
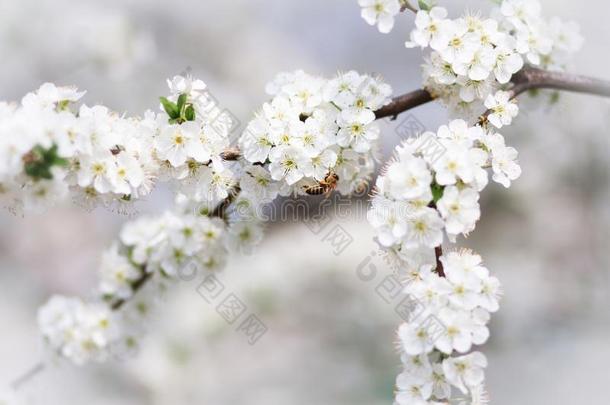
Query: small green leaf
{"x":189,"y":113}
{"x":39,"y":161}
{"x":170,"y":108}
{"x":437,"y":192}
{"x":63,"y":105}
{"x":424,"y":5}
{"x":181,"y":102}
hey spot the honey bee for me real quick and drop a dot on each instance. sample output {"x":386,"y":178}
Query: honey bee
{"x":325,"y":186}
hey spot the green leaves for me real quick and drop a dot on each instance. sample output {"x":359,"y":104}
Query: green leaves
{"x":189,"y":113}
{"x":425,"y":5}
{"x":437,"y":192}
{"x":170,"y":108}
{"x":39,"y":161}
{"x":181,"y":101}
{"x":178,"y":112}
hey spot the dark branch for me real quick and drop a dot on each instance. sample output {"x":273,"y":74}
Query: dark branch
{"x":406,"y":5}
{"x":533,"y":78}
{"x":403,"y":103}
{"x":221,"y":209}
{"x":438,"y":251}
{"x":232,"y":153}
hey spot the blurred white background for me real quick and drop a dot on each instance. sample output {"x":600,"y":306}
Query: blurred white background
{"x":331,"y":337}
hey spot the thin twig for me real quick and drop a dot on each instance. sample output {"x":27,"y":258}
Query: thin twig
{"x":28,"y":375}
{"x":406,"y":5}
{"x":221,"y":209}
{"x":136,"y":286}
{"x":438,"y":252}
{"x":231,"y":153}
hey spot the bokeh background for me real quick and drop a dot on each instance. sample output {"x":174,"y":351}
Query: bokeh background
{"x":331,"y":336}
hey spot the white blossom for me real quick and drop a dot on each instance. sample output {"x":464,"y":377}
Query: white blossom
{"x":503,"y":109}
{"x":380,"y":12}
{"x":460,"y":209}
{"x":465,"y":372}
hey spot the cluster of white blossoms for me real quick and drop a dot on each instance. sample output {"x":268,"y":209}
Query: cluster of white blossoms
{"x":191,"y":143}
{"x":314,"y":128}
{"x":430,"y":189}
{"x":473,"y":57}
{"x":78,"y":330}
{"x":433,"y":185}
{"x":460,"y":303}
{"x":213,"y":214}
{"x":150,"y":253}
{"x":311,"y":128}
{"x":50,"y":150}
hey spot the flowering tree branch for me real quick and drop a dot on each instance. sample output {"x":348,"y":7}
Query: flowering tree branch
{"x":532,"y":78}
{"x":136,"y":286}
{"x":529,"y":78}
{"x":314,"y":136}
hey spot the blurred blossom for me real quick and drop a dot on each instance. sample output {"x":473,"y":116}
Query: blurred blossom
{"x":72,"y":35}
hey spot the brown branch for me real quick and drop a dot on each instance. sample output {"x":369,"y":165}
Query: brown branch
{"x":533,"y":78}
{"x":221,"y":209}
{"x":403,"y":103}
{"x":406,"y":5}
{"x":438,"y":252}
{"x":231,"y":153}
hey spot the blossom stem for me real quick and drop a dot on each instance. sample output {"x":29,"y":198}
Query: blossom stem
{"x":406,"y":5}
{"x":221,"y":208}
{"x":438,"y":252}
{"x":138,"y":284}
